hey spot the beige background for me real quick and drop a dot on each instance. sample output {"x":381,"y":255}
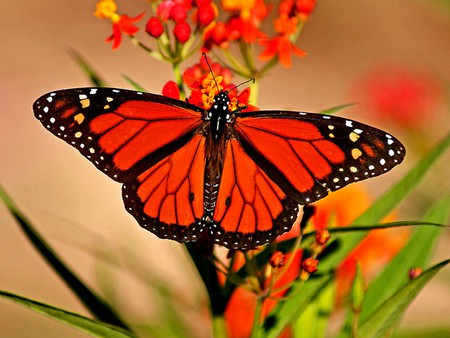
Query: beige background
{"x":61,"y":192}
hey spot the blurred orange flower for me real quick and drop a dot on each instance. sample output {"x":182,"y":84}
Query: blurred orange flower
{"x":338,"y":209}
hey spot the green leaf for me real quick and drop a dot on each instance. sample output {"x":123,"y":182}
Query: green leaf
{"x":332,"y":110}
{"x":387,"y":315}
{"x":88,"y":325}
{"x":134,"y":84}
{"x":313,"y":322}
{"x":93,"y":76}
{"x":358,"y":289}
{"x":301,"y":295}
{"x":416,"y":253}
{"x":98,"y":307}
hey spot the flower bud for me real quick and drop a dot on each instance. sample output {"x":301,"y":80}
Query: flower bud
{"x":178,"y":13}
{"x":310,"y":265}
{"x":322,"y":236}
{"x":154,"y":27}
{"x":182,"y":31}
{"x":414,"y":273}
{"x":171,"y":90}
{"x":277,"y":260}
{"x":206,"y":13}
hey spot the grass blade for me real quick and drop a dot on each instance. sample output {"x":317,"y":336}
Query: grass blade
{"x":88,"y":325}
{"x":93,"y":76}
{"x":386,"y":316}
{"x":98,"y":307}
{"x":333,"y":110}
{"x":134,"y":84}
{"x":415,"y":253}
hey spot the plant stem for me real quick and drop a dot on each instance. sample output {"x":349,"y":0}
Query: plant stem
{"x":178,"y":78}
{"x":219,"y":327}
{"x":254,"y":93}
{"x":256,"y":328}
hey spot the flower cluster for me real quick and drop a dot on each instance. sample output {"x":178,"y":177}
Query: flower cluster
{"x":180,"y":28}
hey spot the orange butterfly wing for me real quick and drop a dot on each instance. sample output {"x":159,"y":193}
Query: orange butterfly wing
{"x":122,"y":132}
{"x":148,"y":142}
{"x":251,"y":210}
{"x":308,"y":154}
{"x":167,"y":199}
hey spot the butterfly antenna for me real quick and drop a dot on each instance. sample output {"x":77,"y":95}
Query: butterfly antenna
{"x":210,"y":69}
{"x":252,"y":80}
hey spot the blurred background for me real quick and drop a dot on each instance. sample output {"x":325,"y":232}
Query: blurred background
{"x":389,"y":57}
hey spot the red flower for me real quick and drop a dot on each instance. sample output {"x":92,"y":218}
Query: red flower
{"x":305,"y":8}
{"x":107,"y":9}
{"x":163,"y":10}
{"x":154,"y":27}
{"x":182,"y":31}
{"x":239,"y":28}
{"x":405,"y":96}
{"x":246,"y":18}
{"x":215,"y":34}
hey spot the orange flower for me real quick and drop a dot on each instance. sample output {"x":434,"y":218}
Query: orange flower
{"x":107,"y":9}
{"x":246,"y":18}
{"x":203,"y":87}
{"x":379,"y":247}
{"x":281,"y":45}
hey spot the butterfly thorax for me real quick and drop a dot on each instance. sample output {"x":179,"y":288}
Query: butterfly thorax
{"x":219,"y":115}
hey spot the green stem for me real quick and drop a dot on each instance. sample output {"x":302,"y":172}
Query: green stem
{"x":219,"y":327}
{"x":178,"y":78}
{"x":150,"y":51}
{"x":254,"y":93}
{"x":236,"y":66}
{"x":256,"y":328}
{"x":248,"y":57}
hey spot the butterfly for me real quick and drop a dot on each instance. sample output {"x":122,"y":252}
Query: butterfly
{"x":233,"y":177}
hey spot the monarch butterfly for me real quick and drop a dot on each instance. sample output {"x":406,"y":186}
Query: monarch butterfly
{"x":234,"y":177}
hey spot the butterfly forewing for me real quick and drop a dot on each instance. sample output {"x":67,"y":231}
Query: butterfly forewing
{"x":122,"y":132}
{"x":309,"y":154}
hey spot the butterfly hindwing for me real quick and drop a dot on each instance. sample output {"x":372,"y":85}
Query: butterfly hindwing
{"x":167,"y":199}
{"x":122,"y":132}
{"x":309,"y":154}
{"x":251,"y":210}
